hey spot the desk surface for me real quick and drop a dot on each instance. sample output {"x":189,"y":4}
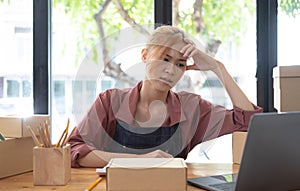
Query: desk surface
{"x":81,"y":178}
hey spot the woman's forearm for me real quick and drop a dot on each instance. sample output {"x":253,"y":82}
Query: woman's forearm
{"x":237,"y":96}
{"x":98,"y":158}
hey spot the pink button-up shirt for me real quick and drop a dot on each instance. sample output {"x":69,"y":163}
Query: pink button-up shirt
{"x":199,"y":120}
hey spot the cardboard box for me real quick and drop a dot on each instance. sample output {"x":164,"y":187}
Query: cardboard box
{"x":51,"y":166}
{"x":146,"y":174}
{"x":286,"y":84}
{"x":16,"y":126}
{"x":238,"y":144}
{"x":15,"y":156}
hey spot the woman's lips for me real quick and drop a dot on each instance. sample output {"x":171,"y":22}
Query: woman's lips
{"x":166,"y":80}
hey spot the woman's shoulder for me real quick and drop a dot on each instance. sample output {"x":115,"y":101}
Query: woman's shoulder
{"x":116,"y":91}
{"x":185,"y":97}
{"x":186,"y":94}
{"x":115,"y":95}
{"x":112,"y":92}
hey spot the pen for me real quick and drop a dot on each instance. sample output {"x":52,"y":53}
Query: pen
{"x":63,"y":134}
{"x":93,"y":184}
{"x":65,"y":139}
{"x":35,"y":139}
{"x":47,"y":131}
{"x":42,"y":135}
{"x":48,"y":142}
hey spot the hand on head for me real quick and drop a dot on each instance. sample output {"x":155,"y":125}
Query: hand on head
{"x":202,"y":61}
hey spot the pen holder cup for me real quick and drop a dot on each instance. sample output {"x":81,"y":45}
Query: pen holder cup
{"x":51,"y":166}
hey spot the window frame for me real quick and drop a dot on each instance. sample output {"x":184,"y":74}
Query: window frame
{"x":266,"y":50}
{"x":41,"y":56}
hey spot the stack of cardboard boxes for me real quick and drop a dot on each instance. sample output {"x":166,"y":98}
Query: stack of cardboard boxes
{"x":16,"y":151}
{"x":286,"y":84}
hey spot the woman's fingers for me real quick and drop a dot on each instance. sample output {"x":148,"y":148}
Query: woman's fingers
{"x":192,"y":67}
{"x":184,"y":48}
{"x":189,"y":50}
{"x":158,"y":154}
{"x":201,"y":60}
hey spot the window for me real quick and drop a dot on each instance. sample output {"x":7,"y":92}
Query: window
{"x":73,"y":44}
{"x":26,"y":88}
{"x":1,"y":87}
{"x":16,"y":18}
{"x":59,"y":96}
{"x":16,"y":42}
{"x":288,"y":33}
{"x":13,"y":88}
{"x":75,"y":41}
{"x":227,"y":31}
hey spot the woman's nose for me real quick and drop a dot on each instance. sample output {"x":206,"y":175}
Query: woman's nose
{"x":170,"y":68}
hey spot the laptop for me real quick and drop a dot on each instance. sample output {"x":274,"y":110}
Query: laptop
{"x":271,"y":157}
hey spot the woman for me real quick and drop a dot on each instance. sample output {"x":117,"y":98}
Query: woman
{"x":150,"y":120}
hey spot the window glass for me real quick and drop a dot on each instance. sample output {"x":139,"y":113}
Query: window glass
{"x":13,"y":88}
{"x":77,"y":40}
{"x":288,"y":32}
{"x":27,"y":88}
{"x":59,"y":94}
{"x":1,"y":87}
{"x":105,"y":84}
{"x":90,"y":90}
{"x":227,"y":31}
{"x":16,"y":57}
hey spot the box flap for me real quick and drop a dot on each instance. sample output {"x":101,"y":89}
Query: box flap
{"x":16,"y":126}
{"x":10,"y":126}
{"x":286,"y":71}
{"x":147,"y":163}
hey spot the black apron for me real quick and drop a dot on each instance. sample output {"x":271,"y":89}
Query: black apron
{"x":141,"y":140}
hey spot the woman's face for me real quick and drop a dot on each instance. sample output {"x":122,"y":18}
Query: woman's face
{"x":164,"y":66}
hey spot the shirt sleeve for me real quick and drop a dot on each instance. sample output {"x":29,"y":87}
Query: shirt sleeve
{"x":93,"y":131}
{"x":78,"y":147}
{"x":216,"y":121}
{"x":241,"y":118}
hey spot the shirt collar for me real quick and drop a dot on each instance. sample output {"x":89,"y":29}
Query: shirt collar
{"x":131,"y":98}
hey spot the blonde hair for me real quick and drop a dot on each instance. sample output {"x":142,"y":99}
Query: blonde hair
{"x":167,"y":36}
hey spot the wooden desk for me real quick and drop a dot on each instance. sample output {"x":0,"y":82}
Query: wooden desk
{"x":81,"y":178}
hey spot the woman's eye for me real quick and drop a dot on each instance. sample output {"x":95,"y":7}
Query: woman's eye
{"x":180,"y":65}
{"x":166,"y":59}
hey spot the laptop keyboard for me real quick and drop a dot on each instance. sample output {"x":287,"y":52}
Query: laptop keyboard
{"x":227,"y":186}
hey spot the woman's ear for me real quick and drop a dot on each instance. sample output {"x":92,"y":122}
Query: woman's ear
{"x":144,"y":54}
